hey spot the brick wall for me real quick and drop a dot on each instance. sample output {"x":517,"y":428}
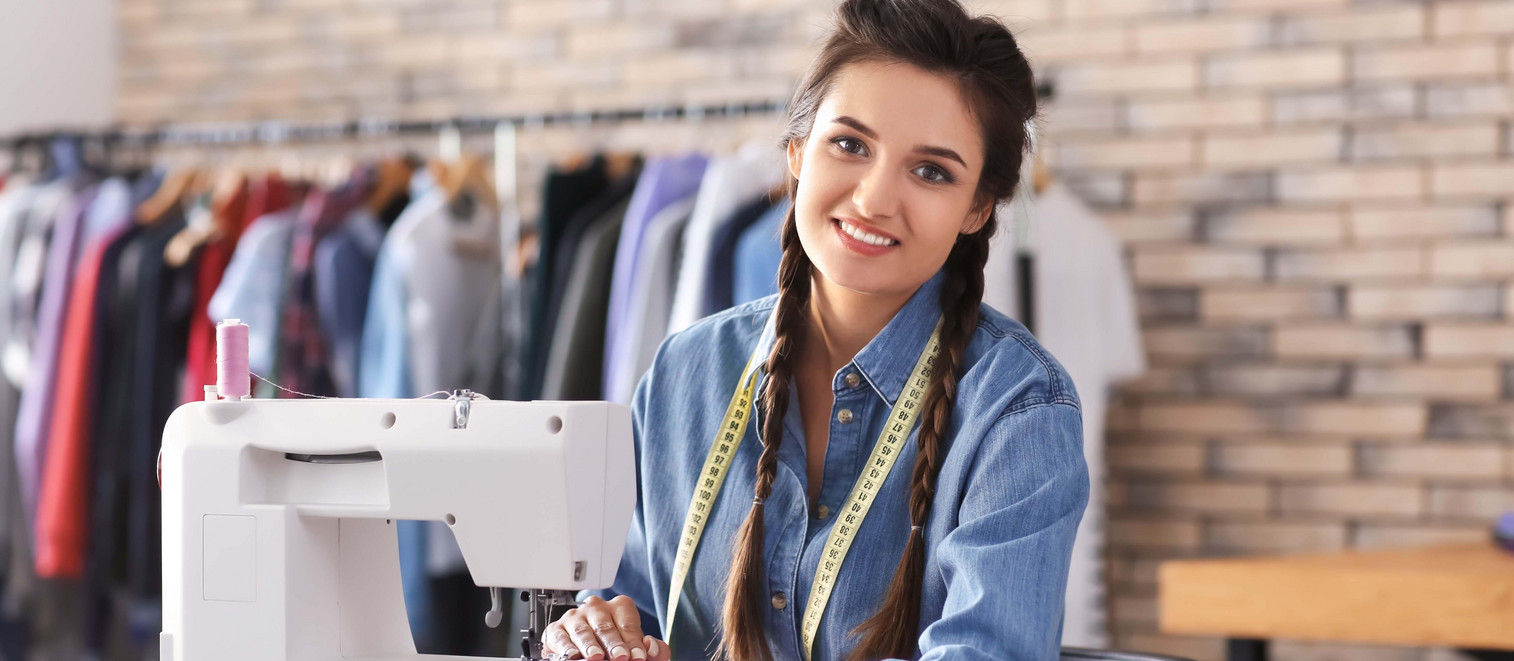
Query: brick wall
{"x":1315,"y":199}
{"x":1314,"y":195}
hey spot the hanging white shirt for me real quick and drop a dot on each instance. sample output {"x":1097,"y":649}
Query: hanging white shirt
{"x":729,"y":182}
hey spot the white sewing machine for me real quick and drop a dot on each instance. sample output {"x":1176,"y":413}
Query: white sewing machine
{"x":279,"y":516}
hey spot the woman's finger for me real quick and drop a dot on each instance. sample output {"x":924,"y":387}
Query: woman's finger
{"x":581,"y":633}
{"x":555,"y":640}
{"x":628,"y":620}
{"x":656,"y":649}
{"x":602,"y":619}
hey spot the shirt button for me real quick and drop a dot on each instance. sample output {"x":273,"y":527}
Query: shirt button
{"x":780,"y":602}
{"x":852,"y":380}
{"x":823,"y":512}
{"x":845,"y":416}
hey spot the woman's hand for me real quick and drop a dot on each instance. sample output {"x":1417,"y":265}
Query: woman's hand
{"x":599,"y":630}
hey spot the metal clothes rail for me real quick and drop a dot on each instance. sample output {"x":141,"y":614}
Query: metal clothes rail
{"x":281,"y":132}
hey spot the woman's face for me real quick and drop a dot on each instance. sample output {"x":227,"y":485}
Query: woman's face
{"x":887,"y":178}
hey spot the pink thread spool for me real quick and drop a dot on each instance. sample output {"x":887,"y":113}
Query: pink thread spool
{"x":233,"y":380}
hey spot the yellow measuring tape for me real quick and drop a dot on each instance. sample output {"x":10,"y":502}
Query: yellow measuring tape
{"x":712,"y":476}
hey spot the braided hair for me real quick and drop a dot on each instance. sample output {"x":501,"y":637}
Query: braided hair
{"x":997,"y":84}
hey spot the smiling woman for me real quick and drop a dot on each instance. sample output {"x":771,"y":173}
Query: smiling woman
{"x":905,"y":133}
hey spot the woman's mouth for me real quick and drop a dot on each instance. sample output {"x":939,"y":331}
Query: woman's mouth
{"x":862,"y":241}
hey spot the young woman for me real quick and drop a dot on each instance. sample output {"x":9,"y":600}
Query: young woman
{"x":914,"y":457}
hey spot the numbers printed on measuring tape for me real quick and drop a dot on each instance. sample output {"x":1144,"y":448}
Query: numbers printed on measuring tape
{"x":727,"y":440}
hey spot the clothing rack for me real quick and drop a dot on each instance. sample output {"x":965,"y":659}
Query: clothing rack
{"x":280,"y":132}
{"x":451,"y":130}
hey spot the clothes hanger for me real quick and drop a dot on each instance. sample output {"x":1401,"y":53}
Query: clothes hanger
{"x":179,"y":185}
{"x":620,"y":164}
{"x":391,"y":178}
{"x":465,"y":181}
{"x":207,"y":219}
{"x":476,"y":232}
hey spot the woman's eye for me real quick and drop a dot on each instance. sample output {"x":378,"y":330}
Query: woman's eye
{"x":850,"y":145}
{"x":933,"y":174}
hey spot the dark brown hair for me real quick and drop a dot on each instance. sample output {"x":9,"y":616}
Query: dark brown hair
{"x":997,"y":84}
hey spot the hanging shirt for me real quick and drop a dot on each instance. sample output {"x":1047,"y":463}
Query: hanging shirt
{"x":759,"y":253}
{"x":20,"y":584}
{"x":663,"y":182}
{"x":145,"y":312}
{"x":303,"y":356}
{"x":616,"y":196}
{"x":729,"y":182}
{"x":251,"y":289}
{"x":27,"y":280}
{"x":1085,"y":313}
{"x":165,"y":296}
{"x":1011,"y":489}
{"x":344,"y":266}
{"x":61,"y":520}
{"x":215,"y":254}
{"x":450,"y":314}
{"x":343,"y":273}
{"x":651,"y":297}
{"x":719,"y":288}
{"x":36,"y":398}
{"x":563,"y":195}
{"x":577,"y":352}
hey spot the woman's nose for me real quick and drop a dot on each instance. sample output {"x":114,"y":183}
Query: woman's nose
{"x":876,"y":194}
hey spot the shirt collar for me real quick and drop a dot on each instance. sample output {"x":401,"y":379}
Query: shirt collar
{"x":887,"y":360}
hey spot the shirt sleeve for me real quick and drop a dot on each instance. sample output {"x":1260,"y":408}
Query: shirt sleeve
{"x":633,"y":577}
{"x":1005,"y":565}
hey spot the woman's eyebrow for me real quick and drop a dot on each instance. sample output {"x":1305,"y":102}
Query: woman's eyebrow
{"x":941,"y":152}
{"x":856,"y":124}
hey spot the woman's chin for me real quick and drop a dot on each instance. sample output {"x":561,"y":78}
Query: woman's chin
{"x":872,"y":279}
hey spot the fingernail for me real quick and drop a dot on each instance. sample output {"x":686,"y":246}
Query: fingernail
{"x":638,"y":654}
{"x":594,"y":651}
{"x":618,"y":652}
{"x":653,"y":648}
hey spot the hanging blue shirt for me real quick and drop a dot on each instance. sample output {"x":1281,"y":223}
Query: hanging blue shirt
{"x":1011,"y":490}
{"x":759,"y":252}
{"x":663,"y":182}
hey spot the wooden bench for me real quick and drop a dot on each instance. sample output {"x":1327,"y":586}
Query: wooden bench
{"x":1459,"y":596}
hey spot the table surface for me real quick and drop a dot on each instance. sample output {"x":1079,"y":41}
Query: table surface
{"x":1455,"y":596}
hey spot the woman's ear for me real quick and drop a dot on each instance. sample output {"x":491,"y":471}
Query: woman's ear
{"x":796,"y":156}
{"x":978,"y":217}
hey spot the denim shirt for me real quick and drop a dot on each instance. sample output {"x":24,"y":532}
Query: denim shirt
{"x":1011,"y":491}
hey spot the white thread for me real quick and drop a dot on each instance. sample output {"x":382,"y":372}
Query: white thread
{"x":292,"y":392}
{"x":476,"y":395}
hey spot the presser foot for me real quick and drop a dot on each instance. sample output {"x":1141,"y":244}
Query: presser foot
{"x":546,"y":607}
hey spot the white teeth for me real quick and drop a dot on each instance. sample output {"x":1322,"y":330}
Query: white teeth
{"x":865,"y":237}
